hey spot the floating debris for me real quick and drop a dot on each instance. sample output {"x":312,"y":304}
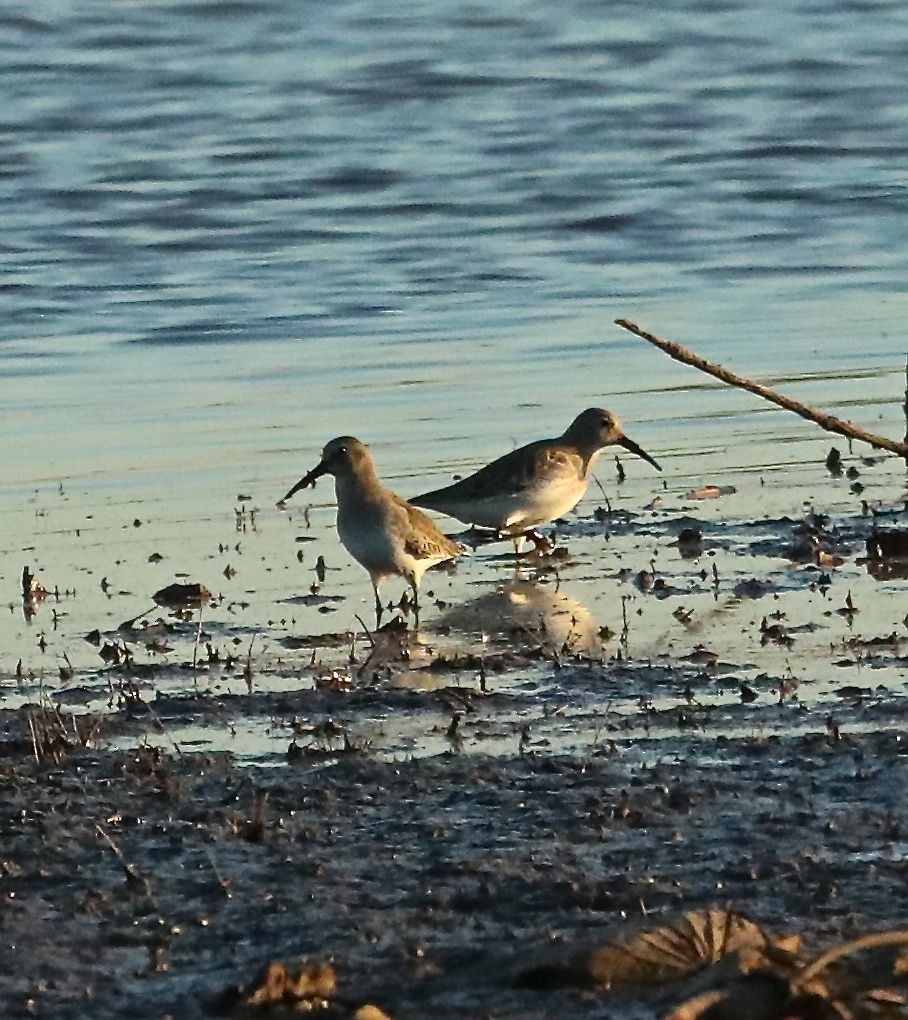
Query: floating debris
{"x":710,"y":492}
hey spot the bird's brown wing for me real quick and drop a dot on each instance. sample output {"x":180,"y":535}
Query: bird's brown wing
{"x":423,"y":540}
{"x":521,"y":469}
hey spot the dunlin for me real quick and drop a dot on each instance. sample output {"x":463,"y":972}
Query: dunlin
{"x":536,"y":483}
{"x":382,"y":532}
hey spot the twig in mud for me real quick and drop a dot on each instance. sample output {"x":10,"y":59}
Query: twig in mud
{"x":453,"y":732}
{"x":129,"y":624}
{"x":198,"y":638}
{"x":31,"y":730}
{"x":826,"y":421}
{"x":592,"y":748}
{"x":133,"y":878}
{"x":906,"y":401}
{"x":356,"y":616}
{"x":224,"y":883}
{"x":883,"y":938}
{"x":608,"y":505}
{"x":50,"y":736}
{"x":247,"y":669}
{"x":524,"y":741}
{"x":157,"y":719}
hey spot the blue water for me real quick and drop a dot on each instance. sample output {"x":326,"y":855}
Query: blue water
{"x":233,"y":229}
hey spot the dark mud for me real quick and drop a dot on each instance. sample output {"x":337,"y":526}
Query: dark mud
{"x":429,"y":883}
{"x":683,"y":707}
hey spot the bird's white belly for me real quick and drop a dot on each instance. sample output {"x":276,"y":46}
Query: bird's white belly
{"x":370,"y":544}
{"x":519,"y":510}
{"x":552,"y":500}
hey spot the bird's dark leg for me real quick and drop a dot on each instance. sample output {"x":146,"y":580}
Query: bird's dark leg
{"x":515,"y":539}
{"x":503,"y":533}
{"x":378,"y":605}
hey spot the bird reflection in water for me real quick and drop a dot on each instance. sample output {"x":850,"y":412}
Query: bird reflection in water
{"x":527,"y":614}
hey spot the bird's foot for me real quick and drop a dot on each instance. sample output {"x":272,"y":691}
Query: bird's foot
{"x":543,"y":545}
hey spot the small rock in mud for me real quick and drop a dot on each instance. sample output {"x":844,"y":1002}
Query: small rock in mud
{"x":888,"y":545}
{"x":690,"y":543}
{"x":834,"y":462}
{"x":751,"y":588}
{"x":178,"y":595}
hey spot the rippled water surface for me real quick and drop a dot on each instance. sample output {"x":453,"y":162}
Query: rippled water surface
{"x":234,"y":229}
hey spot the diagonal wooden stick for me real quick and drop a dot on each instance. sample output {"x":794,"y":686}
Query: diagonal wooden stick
{"x":825,"y":421}
{"x":905,"y":405}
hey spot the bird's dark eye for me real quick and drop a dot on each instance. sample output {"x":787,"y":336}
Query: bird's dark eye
{"x":604,"y":423}
{"x":343,"y":449}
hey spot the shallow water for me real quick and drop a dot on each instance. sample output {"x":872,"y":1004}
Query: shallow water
{"x":233,"y":230}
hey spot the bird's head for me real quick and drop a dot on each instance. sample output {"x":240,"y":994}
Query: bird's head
{"x":595,"y":428}
{"x":341,"y":457}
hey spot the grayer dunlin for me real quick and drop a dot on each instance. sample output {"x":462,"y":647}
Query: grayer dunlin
{"x":536,"y":483}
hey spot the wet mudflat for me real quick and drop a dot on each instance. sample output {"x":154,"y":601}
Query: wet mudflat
{"x":430,"y":884}
{"x":698,"y":702}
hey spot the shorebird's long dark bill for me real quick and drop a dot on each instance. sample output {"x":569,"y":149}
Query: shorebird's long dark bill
{"x":308,"y":479}
{"x":629,"y":444}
